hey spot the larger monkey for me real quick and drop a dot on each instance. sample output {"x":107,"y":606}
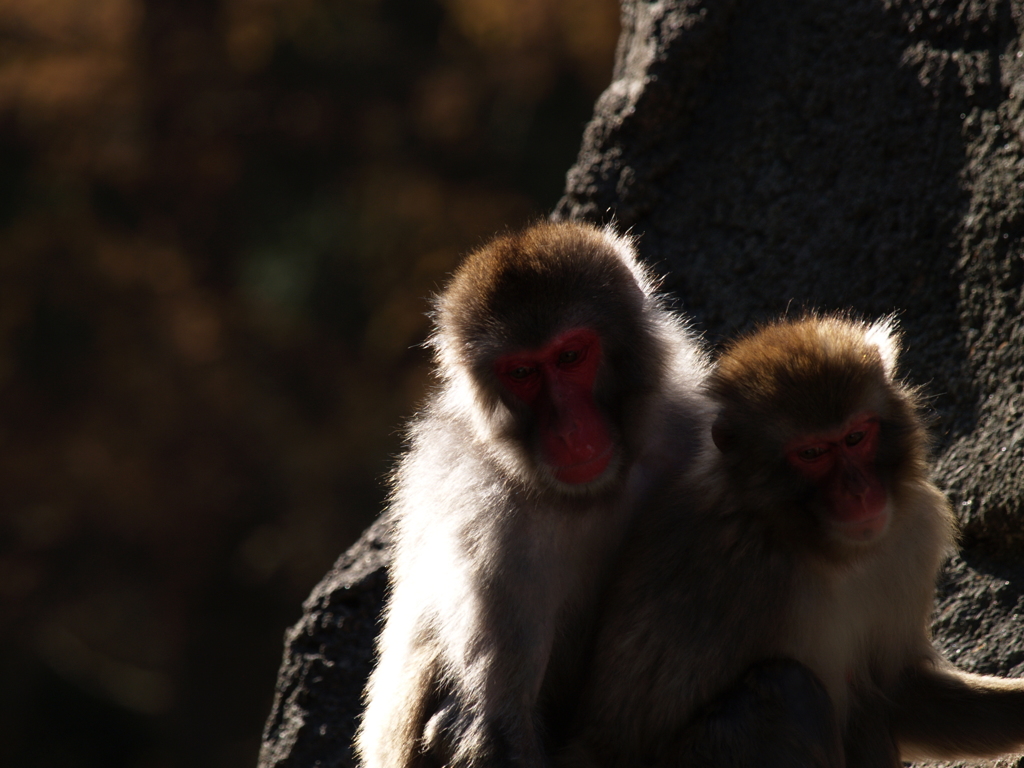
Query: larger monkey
{"x":566,"y":388}
{"x":812,"y":532}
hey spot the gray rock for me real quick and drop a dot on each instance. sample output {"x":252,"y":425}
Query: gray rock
{"x":327,"y":659}
{"x":864,"y":154}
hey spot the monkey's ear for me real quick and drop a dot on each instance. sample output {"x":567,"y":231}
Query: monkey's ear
{"x":723,"y":433}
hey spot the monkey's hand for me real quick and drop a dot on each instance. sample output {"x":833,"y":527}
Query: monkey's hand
{"x":458,"y":737}
{"x":440,"y":734}
{"x":779,"y":716}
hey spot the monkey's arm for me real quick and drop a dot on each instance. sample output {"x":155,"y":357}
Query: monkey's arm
{"x":487,"y":717}
{"x":492,"y":625}
{"x":942,"y":712}
{"x":400,"y":695}
{"x":499,"y":657}
{"x":456,"y":692}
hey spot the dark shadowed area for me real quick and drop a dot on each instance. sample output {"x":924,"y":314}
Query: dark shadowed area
{"x":219,"y":224}
{"x":776,"y":157}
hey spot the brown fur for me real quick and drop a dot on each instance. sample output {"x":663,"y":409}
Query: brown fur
{"x":737,"y":564}
{"x":497,"y":566}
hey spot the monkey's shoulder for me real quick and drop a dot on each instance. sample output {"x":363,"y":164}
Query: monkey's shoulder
{"x":441,"y":446}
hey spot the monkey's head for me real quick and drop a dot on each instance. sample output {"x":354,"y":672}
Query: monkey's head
{"x":551,"y":337}
{"x":815,"y":430}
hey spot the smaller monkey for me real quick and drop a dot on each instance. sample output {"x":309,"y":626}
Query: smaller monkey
{"x":566,"y":390}
{"x":807,"y":529}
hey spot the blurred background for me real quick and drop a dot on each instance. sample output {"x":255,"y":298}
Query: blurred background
{"x":219,"y":225}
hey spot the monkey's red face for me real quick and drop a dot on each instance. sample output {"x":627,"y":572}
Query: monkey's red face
{"x":842,"y":465}
{"x":557,"y":383}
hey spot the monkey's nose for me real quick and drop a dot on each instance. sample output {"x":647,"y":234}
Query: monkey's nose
{"x":855,"y":482}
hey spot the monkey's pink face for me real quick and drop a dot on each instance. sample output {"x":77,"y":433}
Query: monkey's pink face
{"x":557,"y":383}
{"x":842,"y":465}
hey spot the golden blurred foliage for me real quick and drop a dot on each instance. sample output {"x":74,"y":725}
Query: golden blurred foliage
{"x":220,"y":222}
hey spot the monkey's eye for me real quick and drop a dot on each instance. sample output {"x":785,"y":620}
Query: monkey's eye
{"x":568,"y":357}
{"x":854,"y":437}
{"x":812,"y":453}
{"x":521,"y":372}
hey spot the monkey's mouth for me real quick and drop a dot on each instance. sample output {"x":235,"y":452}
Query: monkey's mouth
{"x":584,"y":471}
{"x":864,"y":529}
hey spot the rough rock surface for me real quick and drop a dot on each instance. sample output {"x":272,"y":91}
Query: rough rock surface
{"x":865,"y":154}
{"x":327,"y":659}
